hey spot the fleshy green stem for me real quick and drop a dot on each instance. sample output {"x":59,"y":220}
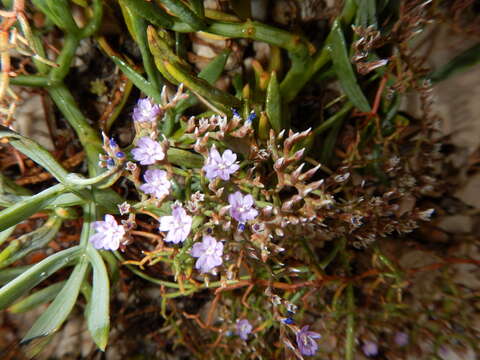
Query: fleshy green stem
{"x":256,"y":31}
{"x":303,"y":69}
{"x":31,"y":80}
{"x":350,"y":333}
{"x":65,"y":58}
{"x":86,"y":134}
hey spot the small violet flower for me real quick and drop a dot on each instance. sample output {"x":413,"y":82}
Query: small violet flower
{"x":209,"y":253}
{"x":222,"y":166}
{"x":241,"y":207}
{"x":178,"y":225}
{"x":401,"y":338}
{"x":306,"y":341}
{"x":370,"y":348}
{"x":148,"y":151}
{"x":156,"y":183}
{"x":145,"y":111}
{"x":244,"y":328}
{"x":108,"y":235}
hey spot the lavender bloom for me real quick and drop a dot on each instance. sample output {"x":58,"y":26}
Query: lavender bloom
{"x":108,"y":235}
{"x":178,"y":225}
{"x":370,"y":348}
{"x":306,"y":341}
{"x":209,"y":253}
{"x":148,"y":151}
{"x":156,"y":183}
{"x":244,"y":328}
{"x":241,"y":207}
{"x":401,"y":338}
{"x":145,"y":111}
{"x":220,"y":166}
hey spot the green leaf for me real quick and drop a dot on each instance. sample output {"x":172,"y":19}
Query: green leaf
{"x":177,"y":71}
{"x":137,"y":79}
{"x":61,"y":14}
{"x":198,"y":7}
{"x":210,"y":73}
{"x":366,"y":13}
{"x":8,"y":186}
{"x":329,"y":143}
{"x":327,"y":124}
{"x":98,"y":317}
{"x":178,"y":8}
{"x":38,"y":298}
{"x":11,"y":273}
{"x":65,"y":200}
{"x":112,"y":264}
{"x":218,"y":99}
{"x":184,"y":158}
{"x":29,"y":242}
{"x":35,"y":152}
{"x":242,"y":8}
{"x":36,"y":274}
{"x":460,"y":63}
{"x":5,"y":234}
{"x":273,"y":105}
{"x":138,"y":29}
{"x":51,"y":320}
{"x":95,"y":21}
{"x":22,"y":210}
{"x":150,"y":12}
{"x":344,"y":70}
{"x":107,"y":199}
{"x":58,"y":11}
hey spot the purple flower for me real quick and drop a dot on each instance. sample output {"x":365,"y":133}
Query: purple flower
{"x":156,"y":183}
{"x":148,"y":151}
{"x":401,"y":338}
{"x":108,"y":235}
{"x":145,"y":111}
{"x":243,"y":328}
{"x":209,"y":253}
{"x":241,"y":207}
{"x":178,"y":225}
{"x":220,"y":166}
{"x":370,"y":348}
{"x":306,"y":341}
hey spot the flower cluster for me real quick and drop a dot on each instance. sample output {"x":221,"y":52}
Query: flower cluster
{"x":178,"y":225}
